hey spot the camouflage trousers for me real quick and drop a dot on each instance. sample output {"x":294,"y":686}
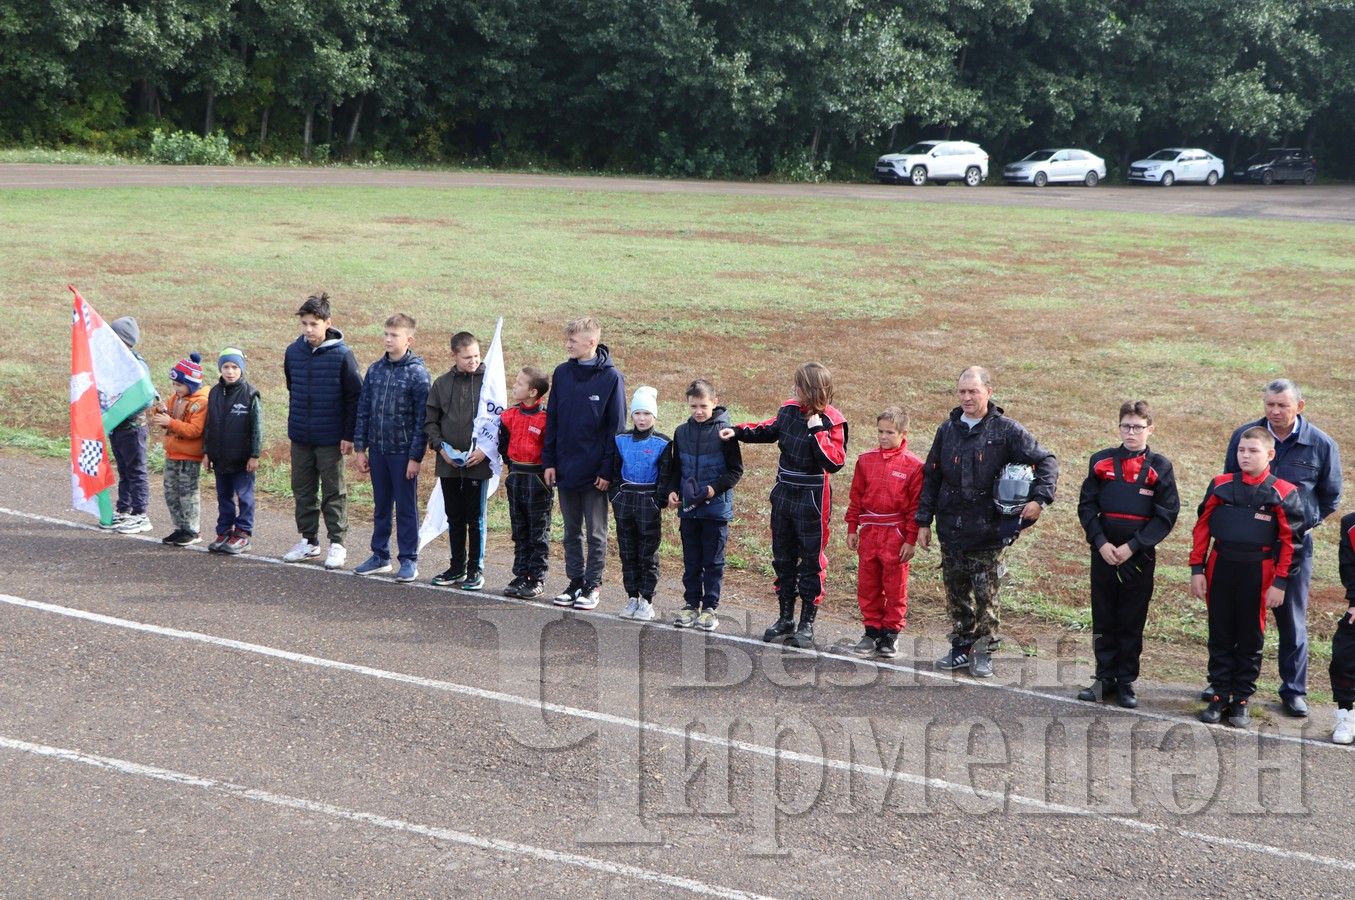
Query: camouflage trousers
{"x":181,"y":493}
{"x":971,"y":580}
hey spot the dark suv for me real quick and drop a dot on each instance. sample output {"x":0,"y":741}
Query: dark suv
{"x":1278,"y":164}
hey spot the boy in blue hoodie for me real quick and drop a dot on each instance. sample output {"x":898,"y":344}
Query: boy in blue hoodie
{"x":635,"y":505}
{"x":323,"y":384}
{"x":697,"y":475}
{"x":390,"y":442}
{"x":587,"y":410}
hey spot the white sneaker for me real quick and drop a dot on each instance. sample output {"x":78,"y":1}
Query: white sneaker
{"x":134,"y":525}
{"x":588,"y":598}
{"x":1344,"y":732}
{"x":644,"y":610}
{"x":629,"y":611}
{"x":336,"y":558}
{"x":303,"y":549}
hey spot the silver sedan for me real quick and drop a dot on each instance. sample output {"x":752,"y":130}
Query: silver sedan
{"x":1065,"y":165}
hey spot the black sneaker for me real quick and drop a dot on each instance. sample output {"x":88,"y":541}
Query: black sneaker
{"x":449,"y":577}
{"x":887,"y":645}
{"x":474,"y":581}
{"x":1207,"y":694}
{"x":1095,"y":692}
{"x":1238,"y":715}
{"x":531,"y":589}
{"x":514,"y":586}
{"x":957,"y":658}
{"x":1125,"y":696}
{"x":570,"y":593}
{"x":186,"y":538}
{"x":865,"y":646}
{"x":172,"y":539}
{"x":1213,"y":713}
{"x":981,"y":664}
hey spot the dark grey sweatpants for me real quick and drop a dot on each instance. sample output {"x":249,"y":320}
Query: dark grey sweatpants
{"x":585,"y":515}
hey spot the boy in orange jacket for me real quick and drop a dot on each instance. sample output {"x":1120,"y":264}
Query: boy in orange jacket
{"x":880,"y":528}
{"x":183,"y":421}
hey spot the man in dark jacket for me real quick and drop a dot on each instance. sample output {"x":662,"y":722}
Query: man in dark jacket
{"x":587,"y":410}
{"x":463,"y":475}
{"x":324,"y":384}
{"x":1307,"y":458}
{"x":967,"y":456}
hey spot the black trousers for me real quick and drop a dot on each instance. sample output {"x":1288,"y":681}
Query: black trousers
{"x":464,"y":499}
{"x":638,"y":530}
{"x":799,"y":536}
{"x":1120,"y":598}
{"x":1342,"y":668}
{"x":1237,"y":619}
{"x":529,"y":511}
{"x":703,"y":561}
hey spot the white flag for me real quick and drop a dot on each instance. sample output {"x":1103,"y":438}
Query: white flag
{"x":484,"y":436}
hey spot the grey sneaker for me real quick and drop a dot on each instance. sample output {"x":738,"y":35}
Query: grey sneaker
{"x":863,"y":647}
{"x":686,"y":617}
{"x":135,"y":525}
{"x":981,"y":664}
{"x":644,"y":610}
{"x":629,"y":611}
{"x":707,"y":621}
{"x":118,"y":520}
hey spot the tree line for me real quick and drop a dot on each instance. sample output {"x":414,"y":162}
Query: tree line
{"x":681,"y":87}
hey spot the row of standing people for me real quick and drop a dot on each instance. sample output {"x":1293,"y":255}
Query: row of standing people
{"x":577,"y":448}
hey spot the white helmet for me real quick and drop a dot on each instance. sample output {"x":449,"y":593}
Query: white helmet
{"x":1012,"y":491}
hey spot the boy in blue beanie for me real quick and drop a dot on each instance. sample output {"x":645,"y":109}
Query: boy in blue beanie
{"x":635,"y":476}
{"x":233,"y":441}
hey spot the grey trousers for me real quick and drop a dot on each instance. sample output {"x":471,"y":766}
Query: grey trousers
{"x":585,"y":515}
{"x":319,"y":470}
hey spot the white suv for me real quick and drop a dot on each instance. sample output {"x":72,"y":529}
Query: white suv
{"x":938,"y":161}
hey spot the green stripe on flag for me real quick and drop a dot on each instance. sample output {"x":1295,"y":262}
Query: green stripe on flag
{"x":135,"y":398}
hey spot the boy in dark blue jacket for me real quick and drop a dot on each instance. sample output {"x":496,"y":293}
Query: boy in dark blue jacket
{"x":390,"y":442}
{"x":587,"y":410}
{"x":233,"y":442}
{"x":323,"y":383}
{"x":697,"y":475}
{"x":633,"y":481}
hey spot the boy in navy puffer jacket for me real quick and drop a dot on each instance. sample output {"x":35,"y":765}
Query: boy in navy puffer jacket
{"x":587,"y":410}
{"x":323,"y":385}
{"x":697,"y":475}
{"x":390,"y":442}
{"x":638,"y":529}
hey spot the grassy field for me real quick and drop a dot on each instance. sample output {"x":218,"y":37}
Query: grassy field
{"x":1072,"y":311}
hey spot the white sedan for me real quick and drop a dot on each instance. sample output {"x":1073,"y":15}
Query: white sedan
{"x":1061,"y":166}
{"x":1166,"y":167}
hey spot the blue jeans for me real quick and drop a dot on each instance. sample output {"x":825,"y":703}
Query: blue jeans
{"x":391,"y":487}
{"x":1291,"y":620}
{"x":703,"y":561}
{"x":230,"y":488}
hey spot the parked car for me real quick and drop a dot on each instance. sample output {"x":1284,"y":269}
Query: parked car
{"x":1166,"y":167}
{"x":1278,"y":164}
{"x":938,"y":161}
{"x":1060,"y":166}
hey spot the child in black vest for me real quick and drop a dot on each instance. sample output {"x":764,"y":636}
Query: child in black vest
{"x":697,"y":475}
{"x":1342,"y":667}
{"x":232,"y":442}
{"x":1253,"y":520}
{"x":1127,"y":507}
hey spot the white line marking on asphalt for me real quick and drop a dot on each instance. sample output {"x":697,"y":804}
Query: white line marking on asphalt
{"x":610,"y":619}
{"x":494,"y":845}
{"x":681,"y":734}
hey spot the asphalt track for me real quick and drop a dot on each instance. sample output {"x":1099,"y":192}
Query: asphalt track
{"x":176,"y":723}
{"x":1332,"y":204}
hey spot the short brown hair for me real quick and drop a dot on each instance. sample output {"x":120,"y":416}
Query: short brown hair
{"x":1138,"y":408}
{"x":1257,"y":433}
{"x":462,"y":340}
{"x":895,"y":414}
{"x":537,"y":380}
{"x":814,"y":387}
{"x":701,"y":388}
{"x":984,"y":377}
{"x":401,"y":320}
{"x":584,"y":325}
